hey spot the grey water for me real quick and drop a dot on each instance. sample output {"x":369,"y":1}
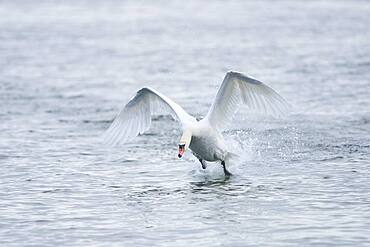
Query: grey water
{"x":68,"y":67}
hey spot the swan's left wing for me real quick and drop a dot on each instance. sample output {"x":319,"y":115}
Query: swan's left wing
{"x":135,"y":117}
{"x":237,"y":89}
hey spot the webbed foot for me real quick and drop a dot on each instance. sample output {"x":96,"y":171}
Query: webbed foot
{"x":227,"y":173}
{"x":203,"y":163}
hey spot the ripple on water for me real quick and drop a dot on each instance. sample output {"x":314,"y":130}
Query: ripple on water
{"x":299,"y":180}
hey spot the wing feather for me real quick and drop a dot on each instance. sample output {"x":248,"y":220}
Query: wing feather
{"x":238,"y":88}
{"x":135,"y":117}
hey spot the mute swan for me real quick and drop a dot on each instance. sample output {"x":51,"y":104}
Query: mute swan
{"x":204,"y":138}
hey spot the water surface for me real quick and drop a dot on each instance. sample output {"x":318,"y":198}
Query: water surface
{"x":66,"y":69}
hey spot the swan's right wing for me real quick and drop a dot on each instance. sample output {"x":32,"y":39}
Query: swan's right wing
{"x":135,"y":117}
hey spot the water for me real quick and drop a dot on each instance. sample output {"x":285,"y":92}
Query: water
{"x":67,"y":68}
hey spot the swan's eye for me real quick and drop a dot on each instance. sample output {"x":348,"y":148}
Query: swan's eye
{"x":181,"y":146}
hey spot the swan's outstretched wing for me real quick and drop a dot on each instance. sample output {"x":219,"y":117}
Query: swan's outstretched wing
{"x":135,"y":117}
{"x":238,"y":88}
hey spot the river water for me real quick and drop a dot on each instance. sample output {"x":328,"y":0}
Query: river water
{"x":68,"y":67}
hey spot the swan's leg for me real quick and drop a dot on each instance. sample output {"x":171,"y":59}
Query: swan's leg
{"x":204,"y":164}
{"x":227,"y":173}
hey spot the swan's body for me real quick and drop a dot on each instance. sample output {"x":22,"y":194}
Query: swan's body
{"x":207,"y":143}
{"x":203,"y":137}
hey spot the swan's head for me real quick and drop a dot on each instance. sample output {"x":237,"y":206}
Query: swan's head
{"x":184,"y":142}
{"x":181,"y":149}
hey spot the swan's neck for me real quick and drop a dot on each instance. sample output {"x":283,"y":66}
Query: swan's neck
{"x":186,"y":138}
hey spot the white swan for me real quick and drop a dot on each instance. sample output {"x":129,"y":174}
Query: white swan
{"x":203,"y":137}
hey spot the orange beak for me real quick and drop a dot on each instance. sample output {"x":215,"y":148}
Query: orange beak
{"x":181,"y":150}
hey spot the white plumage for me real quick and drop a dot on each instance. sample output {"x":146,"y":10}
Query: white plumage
{"x":203,"y":137}
{"x":135,"y":117}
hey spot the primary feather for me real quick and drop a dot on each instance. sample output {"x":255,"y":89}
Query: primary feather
{"x":135,"y":117}
{"x":238,"y":88}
